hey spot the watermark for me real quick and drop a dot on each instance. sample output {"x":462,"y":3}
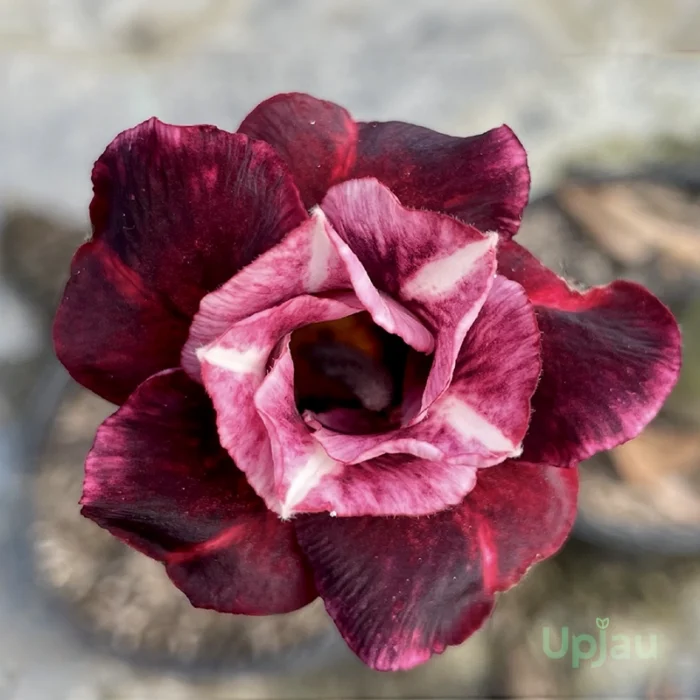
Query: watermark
{"x":585,"y":647}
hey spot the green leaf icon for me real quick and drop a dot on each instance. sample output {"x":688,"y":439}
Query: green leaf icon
{"x":602,"y":622}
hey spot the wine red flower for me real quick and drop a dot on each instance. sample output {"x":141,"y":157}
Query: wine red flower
{"x":338,"y":375}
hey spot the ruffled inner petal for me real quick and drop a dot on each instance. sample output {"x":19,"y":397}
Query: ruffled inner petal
{"x":439,"y":269}
{"x":299,"y":462}
{"x":306,"y":262}
{"x":308,"y":480}
{"x":385,"y":312}
{"x":483,"y":416}
{"x":233,"y":369}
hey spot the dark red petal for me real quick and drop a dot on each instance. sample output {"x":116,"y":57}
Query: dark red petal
{"x":317,"y":140}
{"x":483,"y":180}
{"x":401,"y":589}
{"x":112,"y":330}
{"x":158,"y":479}
{"x":176,"y":212}
{"x":610,"y":357}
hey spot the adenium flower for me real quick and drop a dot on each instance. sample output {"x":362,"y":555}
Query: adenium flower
{"x":337,"y":375}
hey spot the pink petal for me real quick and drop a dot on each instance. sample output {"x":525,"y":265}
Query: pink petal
{"x":610,"y":357}
{"x":317,"y":140}
{"x":499,"y":364}
{"x":483,"y":180}
{"x":299,"y":461}
{"x":483,"y":416}
{"x":233,"y":369}
{"x":305,"y":262}
{"x":308,"y":480}
{"x":176,"y":212}
{"x":158,"y":479}
{"x":390,"y":484}
{"x":385,"y":312}
{"x":401,"y":589}
{"x":438,"y":268}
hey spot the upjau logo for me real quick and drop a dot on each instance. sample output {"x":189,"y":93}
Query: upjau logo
{"x":586,"y":647}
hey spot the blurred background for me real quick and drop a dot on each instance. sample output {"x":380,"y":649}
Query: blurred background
{"x":605,"y":95}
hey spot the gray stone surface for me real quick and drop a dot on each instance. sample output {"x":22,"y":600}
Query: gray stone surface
{"x":74,"y":73}
{"x":592,"y":80}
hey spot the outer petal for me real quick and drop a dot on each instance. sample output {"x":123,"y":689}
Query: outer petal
{"x":483,"y":416}
{"x":176,"y":212}
{"x":438,"y":268}
{"x":610,"y":357}
{"x":234,"y":367}
{"x":308,"y":480}
{"x":483,"y":180}
{"x":158,"y":479}
{"x":317,"y":140}
{"x":401,"y":589}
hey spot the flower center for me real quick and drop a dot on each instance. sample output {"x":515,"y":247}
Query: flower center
{"x":351,"y":375}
